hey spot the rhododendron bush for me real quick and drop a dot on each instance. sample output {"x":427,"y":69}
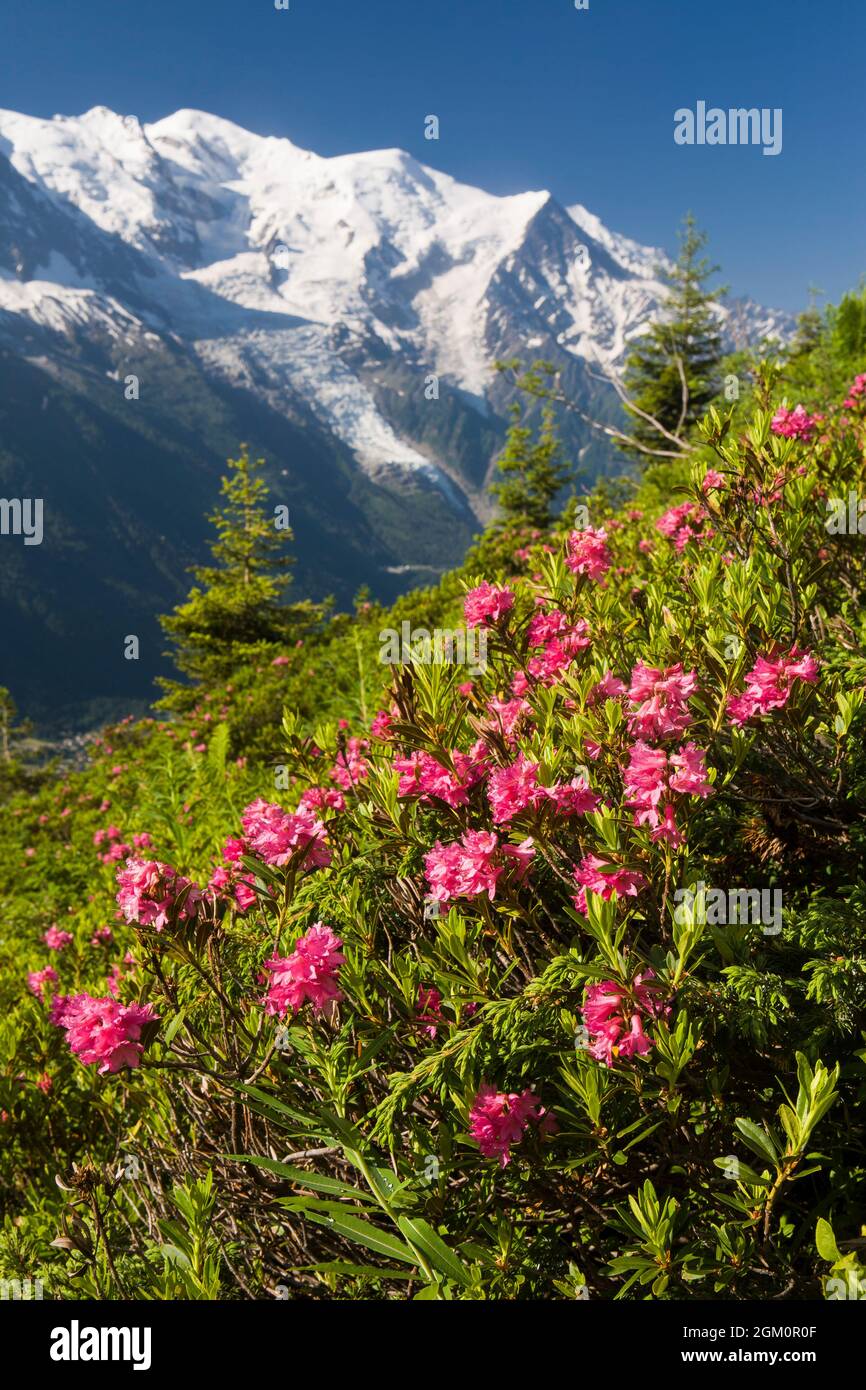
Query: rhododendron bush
{"x":434,"y":1004}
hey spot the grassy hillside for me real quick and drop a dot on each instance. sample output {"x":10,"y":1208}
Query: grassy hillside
{"x":545,"y":980}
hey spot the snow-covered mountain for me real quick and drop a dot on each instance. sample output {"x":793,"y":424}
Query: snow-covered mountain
{"x":256,"y":290}
{"x":288,"y":273}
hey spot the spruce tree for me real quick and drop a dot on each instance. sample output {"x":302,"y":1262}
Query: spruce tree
{"x":530,"y":472}
{"x":683,"y":345}
{"x":236,"y":608}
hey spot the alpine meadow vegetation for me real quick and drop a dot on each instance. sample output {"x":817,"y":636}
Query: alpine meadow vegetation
{"x":347,"y":980}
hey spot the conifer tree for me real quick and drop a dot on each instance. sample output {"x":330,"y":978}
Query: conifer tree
{"x":236,"y":607}
{"x":530,"y":472}
{"x":672,"y":372}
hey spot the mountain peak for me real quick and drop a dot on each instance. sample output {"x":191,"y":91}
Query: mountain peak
{"x":303,"y":274}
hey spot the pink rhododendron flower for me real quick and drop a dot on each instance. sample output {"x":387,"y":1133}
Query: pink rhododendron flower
{"x":351,"y":766}
{"x":651,"y":776}
{"x":276,"y":836}
{"x":57,"y":940}
{"x":603,"y":878}
{"x":855,"y":392}
{"x":666,"y":829}
{"x":682,"y":524}
{"x":39,"y":980}
{"x":103,"y":1032}
{"x":690,"y":777}
{"x":645,"y":781}
{"x":507,"y":714}
{"x":322,"y":799}
{"x":574,"y":798}
{"x":769,"y":684}
{"x":310,"y":973}
{"x":381,"y":724}
{"x":610,"y":687}
{"x":794,"y":424}
{"x":423,"y":776}
{"x":614,"y":1014}
{"x":236,"y":889}
{"x":559,"y":646}
{"x":519,"y":857}
{"x":550,"y":624}
{"x":149,"y":892}
{"x":473,"y":865}
{"x":512,"y":789}
{"x":588,"y":553}
{"x":487,"y":604}
{"x":714,"y":481}
{"x":661,"y":699}
{"x":498,"y":1120}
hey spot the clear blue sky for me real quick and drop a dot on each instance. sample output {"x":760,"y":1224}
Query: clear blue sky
{"x":530,"y":94}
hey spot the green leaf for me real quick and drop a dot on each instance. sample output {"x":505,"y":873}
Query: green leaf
{"x":825,"y":1241}
{"x":317,"y":1181}
{"x":177,"y":1022}
{"x":744,"y":1173}
{"x":363,"y":1233}
{"x":422,"y":1234}
{"x":356,"y":1271}
{"x":758,"y":1140}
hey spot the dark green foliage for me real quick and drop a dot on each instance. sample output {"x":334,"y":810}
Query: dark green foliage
{"x":672,"y":372}
{"x":236,"y":610}
{"x":530,"y":472}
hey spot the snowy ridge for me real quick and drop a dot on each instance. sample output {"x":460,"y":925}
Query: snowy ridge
{"x":298,"y":277}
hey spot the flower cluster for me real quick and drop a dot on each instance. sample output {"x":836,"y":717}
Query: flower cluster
{"x":487,"y":604}
{"x":769,"y":684}
{"x":56,"y":939}
{"x":150,"y":893}
{"x":559,"y":641}
{"x":614,"y":1015}
{"x":39,"y":980}
{"x":351,"y":766}
{"x":498,"y":1120}
{"x":276,"y":835}
{"x":473,"y":865}
{"x":588,"y":553}
{"x":649,"y":778}
{"x":606,"y":880}
{"x":309,"y":973}
{"x":684,"y":523}
{"x":660,"y":697}
{"x":423,"y":776}
{"x":103,"y":1032}
{"x":795,"y":424}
